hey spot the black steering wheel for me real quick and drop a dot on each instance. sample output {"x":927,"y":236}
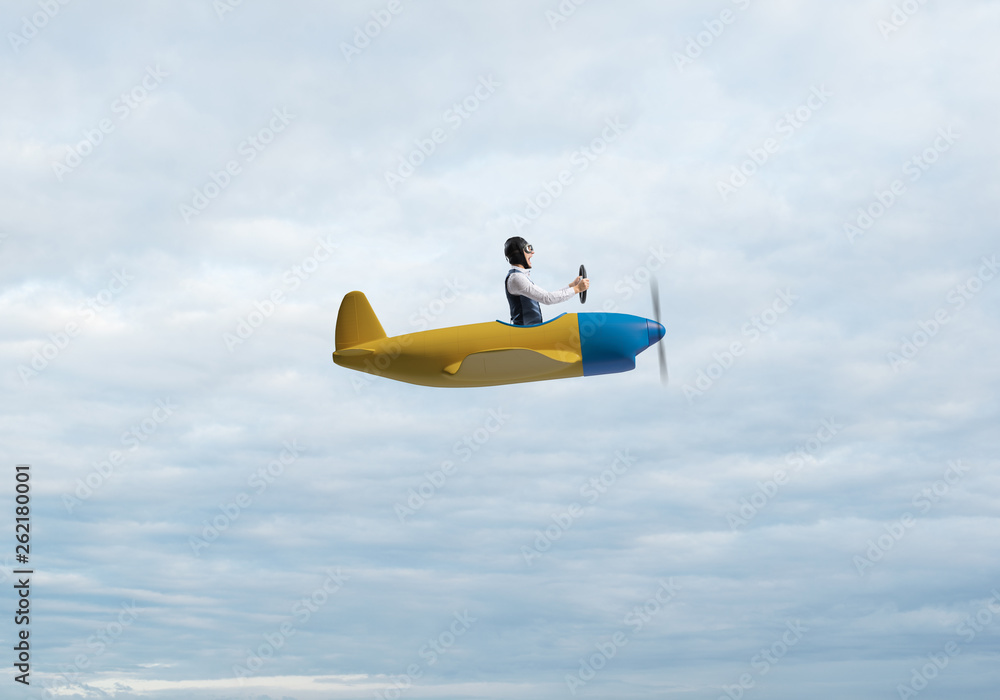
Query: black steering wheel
{"x":583,"y":294}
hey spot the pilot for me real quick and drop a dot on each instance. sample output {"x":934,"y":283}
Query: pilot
{"x":523,"y":295}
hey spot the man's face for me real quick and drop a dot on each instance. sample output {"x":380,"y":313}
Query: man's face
{"x":529,"y":252}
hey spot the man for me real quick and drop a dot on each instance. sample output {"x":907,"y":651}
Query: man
{"x":523,"y":295}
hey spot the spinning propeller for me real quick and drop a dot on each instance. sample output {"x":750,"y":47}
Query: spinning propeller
{"x":654,"y":290}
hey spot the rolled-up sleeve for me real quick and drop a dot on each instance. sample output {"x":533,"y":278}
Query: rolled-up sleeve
{"x":522,"y":284}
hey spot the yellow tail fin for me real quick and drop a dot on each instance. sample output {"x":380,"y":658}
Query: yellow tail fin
{"x":357,"y":322}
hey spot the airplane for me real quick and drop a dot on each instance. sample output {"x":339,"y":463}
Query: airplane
{"x":494,"y":353}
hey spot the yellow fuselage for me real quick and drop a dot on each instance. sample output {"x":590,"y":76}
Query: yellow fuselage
{"x":480,"y":354}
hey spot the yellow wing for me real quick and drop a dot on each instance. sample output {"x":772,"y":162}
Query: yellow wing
{"x":510,"y":363}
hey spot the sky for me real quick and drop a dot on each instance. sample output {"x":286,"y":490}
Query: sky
{"x":810,"y":506}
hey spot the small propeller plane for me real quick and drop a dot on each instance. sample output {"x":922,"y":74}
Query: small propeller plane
{"x":493,"y":353}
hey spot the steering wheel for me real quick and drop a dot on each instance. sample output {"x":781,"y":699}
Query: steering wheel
{"x":583,"y":294}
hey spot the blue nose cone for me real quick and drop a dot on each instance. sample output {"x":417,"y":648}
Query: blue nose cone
{"x":610,"y":342}
{"x":655,"y":330}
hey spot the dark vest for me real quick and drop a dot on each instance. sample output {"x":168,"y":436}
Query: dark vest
{"x":523,"y":311}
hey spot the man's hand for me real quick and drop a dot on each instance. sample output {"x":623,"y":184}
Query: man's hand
{"x":580,"y":284}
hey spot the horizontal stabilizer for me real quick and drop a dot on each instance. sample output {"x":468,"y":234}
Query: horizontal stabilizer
{"x":354,"y":352}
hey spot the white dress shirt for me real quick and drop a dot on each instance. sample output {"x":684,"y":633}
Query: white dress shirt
{"x":522,"y":284}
